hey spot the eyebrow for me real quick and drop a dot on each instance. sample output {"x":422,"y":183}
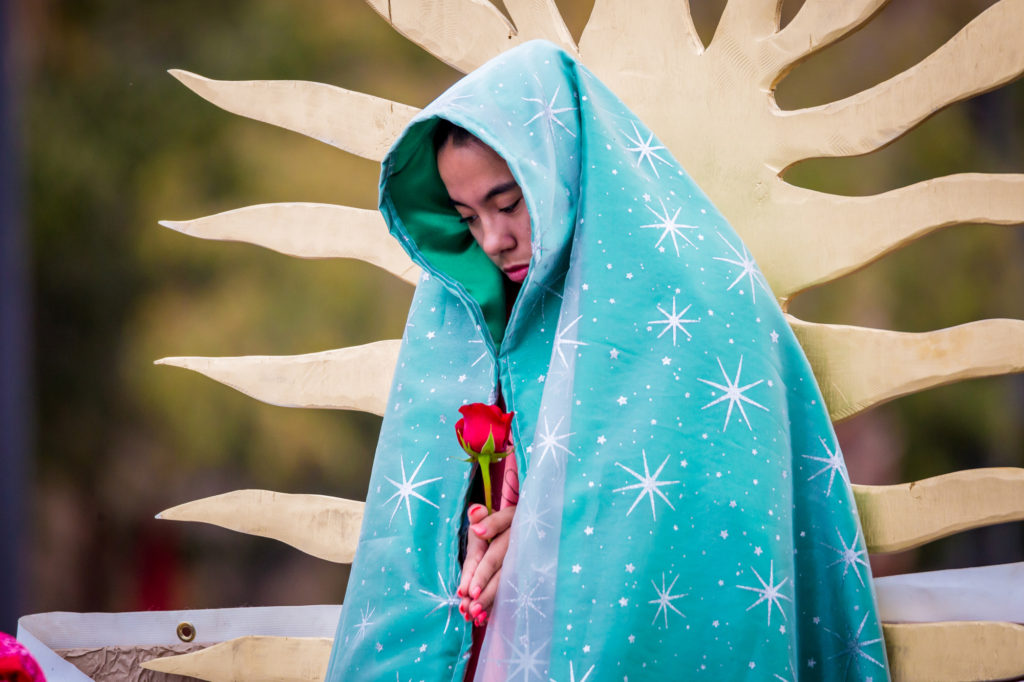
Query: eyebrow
{"x":495,"y":191}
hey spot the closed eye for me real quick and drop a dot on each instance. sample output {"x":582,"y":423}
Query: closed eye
{"x":467,"y":219}
{"x":511,"y":207}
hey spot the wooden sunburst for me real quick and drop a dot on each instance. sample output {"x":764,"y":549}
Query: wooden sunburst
{"x":649,"y":53}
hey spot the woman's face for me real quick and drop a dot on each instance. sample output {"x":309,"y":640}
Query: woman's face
{"x":490,"y":202}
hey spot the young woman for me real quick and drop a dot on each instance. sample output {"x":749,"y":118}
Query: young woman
{"x":684,"y":509}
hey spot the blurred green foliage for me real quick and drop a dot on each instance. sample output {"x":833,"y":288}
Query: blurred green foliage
{"x":115,"y":144}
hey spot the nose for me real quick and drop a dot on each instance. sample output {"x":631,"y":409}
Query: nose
{"x":497,"y":237}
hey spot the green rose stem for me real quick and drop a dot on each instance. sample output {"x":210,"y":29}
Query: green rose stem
{"x":485,"y":458}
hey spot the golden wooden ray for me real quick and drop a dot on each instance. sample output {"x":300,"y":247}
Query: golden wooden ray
{"x":873,"y":226}
{"x":354,"y":378}
{"x":308,"y":230}
{"x":466,"y":33}
{"x":898,"y":517}
{"x":362,"y":124}
{"x":322,"y":526}
{"x":858,"y":368}
{"x":252,"y":659}
{"x":954,"y":652}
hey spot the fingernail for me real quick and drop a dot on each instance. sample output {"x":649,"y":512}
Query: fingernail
{"x":462,"y":609}
{"x":458,"y":592}
{"x":475,"y":609}
{"x":480,"y":620}
{"x":478,"y":528}
{"x":475,"y":592}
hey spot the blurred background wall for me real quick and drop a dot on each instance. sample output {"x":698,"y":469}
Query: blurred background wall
{"x":98,"y":143}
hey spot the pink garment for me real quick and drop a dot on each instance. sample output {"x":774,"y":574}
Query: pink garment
{"x":16,"y":663}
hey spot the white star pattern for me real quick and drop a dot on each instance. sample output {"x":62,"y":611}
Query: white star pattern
{"x":407,"y":489}
{"x":768,"y":591}
{"x":833,"y":463}
{"x":644,"y":149}
{"x":524,"y":601}
{"x":665,"y":599}
{"x":733,"y":393}
{"x":560,"y":341}
{"x":549,"y":114}
{"x":674,"y":321}
{"x":648,"y":485}
{"x":748,"y":268}
{"x":550,"y":442}
{"x":445,"y":597}
{"x":854,"y":647}
{"x":669,"y":227}
{"x":572,"y":674}
{"x":364,"y":622}
{"x":530,"y":519}
{"x":849,"y":555}
{"x":525,"y":659}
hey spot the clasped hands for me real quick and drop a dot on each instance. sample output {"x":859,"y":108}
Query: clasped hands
{"x":486,"y":546}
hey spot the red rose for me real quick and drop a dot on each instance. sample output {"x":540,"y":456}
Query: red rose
{"x":482,"y":423}
{"x":485,"y":433}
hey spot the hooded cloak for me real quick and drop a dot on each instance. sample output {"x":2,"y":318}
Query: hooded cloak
{"x":685,"y":512}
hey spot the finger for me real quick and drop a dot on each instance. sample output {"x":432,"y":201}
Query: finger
{"x":488,"y":565}
{"x":475,"y":548}
{"x":495,"y":524}
{"x":486,"y":599}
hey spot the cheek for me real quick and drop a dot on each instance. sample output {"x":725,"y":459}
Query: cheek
{"x":522,"y":228}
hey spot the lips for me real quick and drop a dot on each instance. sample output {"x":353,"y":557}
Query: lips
{"x":517,"y":273}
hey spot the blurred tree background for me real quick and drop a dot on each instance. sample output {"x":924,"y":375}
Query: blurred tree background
{"x":111,"y":144}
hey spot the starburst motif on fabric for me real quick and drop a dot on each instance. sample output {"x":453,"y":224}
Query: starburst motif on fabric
{"x":648,"y":485}
{"x":644,"y":149}
{"x":665,"y":599}
{"x":560,"y":341}
{"x":530,"y":519}
{"x":526,"y":659}
{"x":833,"y":463}
{"x":407,"y":489}
{"x":748,"y":269}
{"x":768,"y":592}
{"x":365,"y":615}
{"x":524,"y":601}
{"x":733,"y":392}
{"x":674,"y":321}
{"x":669,"y":227}
{"x":572,"y":674}
{"x":445,"y":597}
{"x":849,"y":555}
{"x":550,"y":442}
{"x":549,"y":114}
{"x":854,"y":647}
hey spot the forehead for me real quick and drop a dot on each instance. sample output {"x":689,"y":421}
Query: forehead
{"x":470,"y":170}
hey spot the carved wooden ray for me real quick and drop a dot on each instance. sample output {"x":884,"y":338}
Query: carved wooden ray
{"x":252,"y":659}
{"x":858,"y":368}
{"x":898,"y":517}
{"x":308,"y":230}
{"x":919,"y":652}
{"x":324,"y":527}
{"x":355,"y":378}
{"x":954,"y":652}
{"x":361,"y":124}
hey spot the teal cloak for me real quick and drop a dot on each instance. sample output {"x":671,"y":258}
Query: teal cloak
{"x":685,"y":509}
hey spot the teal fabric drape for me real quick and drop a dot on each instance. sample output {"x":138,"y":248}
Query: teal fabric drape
{"x":685,"y":510}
